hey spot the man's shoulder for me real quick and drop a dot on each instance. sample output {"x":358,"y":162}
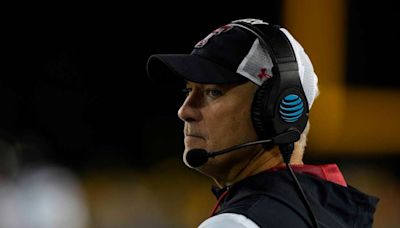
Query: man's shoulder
{"x":231,"y":220}
{"x":270,"y":199}
{"x":271,"y":209}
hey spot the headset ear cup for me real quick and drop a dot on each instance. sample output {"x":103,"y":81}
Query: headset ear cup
{"x":291,"y":111}
{"x":260,"y":119}
{"x":258,"y":111}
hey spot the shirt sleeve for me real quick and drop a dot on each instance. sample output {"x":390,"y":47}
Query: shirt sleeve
{"x":228,"y":220}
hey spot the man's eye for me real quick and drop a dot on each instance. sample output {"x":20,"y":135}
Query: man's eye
{"x":186,"y":91}
{"x":214,"y":93}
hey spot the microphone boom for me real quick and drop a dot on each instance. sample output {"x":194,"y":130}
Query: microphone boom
{"x":198,"y":157}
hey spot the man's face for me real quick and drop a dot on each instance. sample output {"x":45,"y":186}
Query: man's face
{"x":217,"y":117}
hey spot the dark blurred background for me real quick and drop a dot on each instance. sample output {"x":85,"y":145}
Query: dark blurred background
{"x":78,"y":82}
{"x":74,"y":95}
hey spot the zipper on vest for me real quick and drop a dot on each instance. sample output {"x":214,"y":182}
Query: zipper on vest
{"x":218,"y":204}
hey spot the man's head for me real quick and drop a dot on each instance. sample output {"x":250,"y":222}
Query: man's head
{"x":246,"y":80}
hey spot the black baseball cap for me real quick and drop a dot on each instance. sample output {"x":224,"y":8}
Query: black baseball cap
{"x":216,"y":59}
{"x":230,"y":54}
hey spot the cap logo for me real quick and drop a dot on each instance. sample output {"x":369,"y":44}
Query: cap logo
{"x":251,"y":21}
{"x":216,"y":32}
{"x":263,"y":74}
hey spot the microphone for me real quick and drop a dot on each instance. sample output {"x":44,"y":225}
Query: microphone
{"x":198,"y":157}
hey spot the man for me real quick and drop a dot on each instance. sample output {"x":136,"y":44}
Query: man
{"x":249,"y":88}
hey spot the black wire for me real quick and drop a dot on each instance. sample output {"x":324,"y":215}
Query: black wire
{"x":303,"y":196}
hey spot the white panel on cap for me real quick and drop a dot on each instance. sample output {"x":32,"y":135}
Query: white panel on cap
{"x":257,"y":65}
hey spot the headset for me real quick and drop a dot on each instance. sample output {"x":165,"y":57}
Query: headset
{"x":280,"y":103}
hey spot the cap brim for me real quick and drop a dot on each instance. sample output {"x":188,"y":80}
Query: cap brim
{"x":190,"y":67}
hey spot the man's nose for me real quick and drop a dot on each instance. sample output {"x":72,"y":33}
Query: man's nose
{"x":190,"y":109}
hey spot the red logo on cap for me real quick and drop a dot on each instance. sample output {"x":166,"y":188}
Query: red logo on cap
{"x":217,"y":31}
{"x":263,"y":74}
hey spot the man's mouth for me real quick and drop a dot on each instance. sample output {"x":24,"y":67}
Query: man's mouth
{"x":194,"y":136}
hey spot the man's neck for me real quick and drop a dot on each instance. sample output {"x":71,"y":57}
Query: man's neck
{"x":262,"y":160}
